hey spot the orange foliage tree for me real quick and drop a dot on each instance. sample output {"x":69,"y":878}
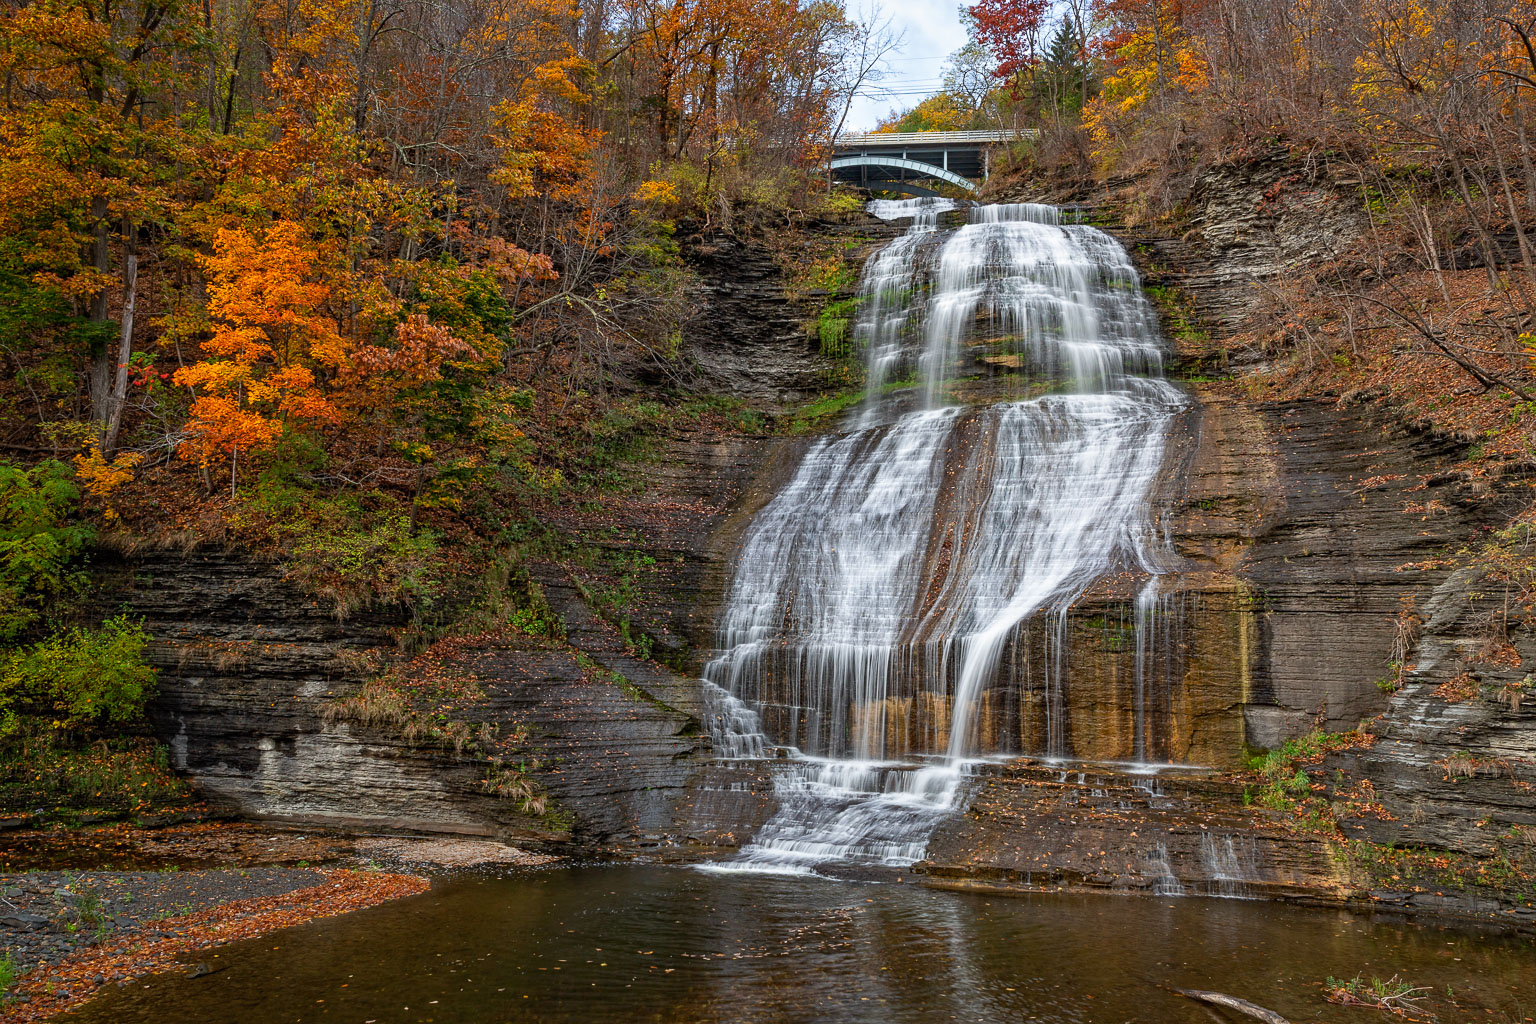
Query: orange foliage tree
{"x":271,"y":334}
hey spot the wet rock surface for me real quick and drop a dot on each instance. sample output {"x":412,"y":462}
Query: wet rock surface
{"x":1303,"y":519}
{"x":1171,"y":832}
{"x":1306,"y":528}
{"x":748,"y":337}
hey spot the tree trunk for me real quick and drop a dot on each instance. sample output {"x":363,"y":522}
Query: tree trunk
{"x":1525,"y":154}
{"x":1233,"y":1003}
{"x":118,"y":399}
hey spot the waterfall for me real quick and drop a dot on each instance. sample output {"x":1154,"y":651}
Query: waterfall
{"x":999,"y":467}
{"x":1229,"y":864}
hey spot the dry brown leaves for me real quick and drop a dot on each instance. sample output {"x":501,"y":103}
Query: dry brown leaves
{"x":1387,"y":361}
{"x":1457,"y":689}
{"x":140,"y":953}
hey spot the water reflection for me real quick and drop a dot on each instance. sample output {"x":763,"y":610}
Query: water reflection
{"x":656,"y":944}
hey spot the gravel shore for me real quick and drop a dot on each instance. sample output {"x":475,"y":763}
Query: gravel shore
{"x":80,"y":909}
{"x":47,"y":915}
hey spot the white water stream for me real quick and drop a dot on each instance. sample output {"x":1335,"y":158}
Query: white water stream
{"x":877,"y":593}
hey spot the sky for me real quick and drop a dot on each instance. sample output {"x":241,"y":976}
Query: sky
{"x":931,"y":32}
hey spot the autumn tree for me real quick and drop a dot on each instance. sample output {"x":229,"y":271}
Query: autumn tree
{"x":1009,"y":30}
{"x":271,"y":335}
{"x":90,"y":138}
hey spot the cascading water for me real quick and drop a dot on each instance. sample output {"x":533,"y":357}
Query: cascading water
{"x":876,"y":595}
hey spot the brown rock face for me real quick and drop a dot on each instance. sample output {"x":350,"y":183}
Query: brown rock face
{"x":1299,"y":525}
{"x":1297,"y":521}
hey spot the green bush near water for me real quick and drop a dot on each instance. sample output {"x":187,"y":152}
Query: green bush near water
{"x":85,"y":677}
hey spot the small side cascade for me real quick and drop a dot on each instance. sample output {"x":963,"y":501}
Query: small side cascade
{"x":849,"y":811}
{"x":1229,"y":862}
{"x":1160,"y":869}
{"x":734,"y":728}
{"x":875,"y":630}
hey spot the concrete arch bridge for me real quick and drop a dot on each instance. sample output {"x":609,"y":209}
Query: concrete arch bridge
{"x":914,"y":163}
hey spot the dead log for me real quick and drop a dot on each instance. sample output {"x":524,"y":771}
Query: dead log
{"x":1233,"y":1003}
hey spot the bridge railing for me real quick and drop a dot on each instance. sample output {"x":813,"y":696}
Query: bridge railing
{"x":931,"y":140}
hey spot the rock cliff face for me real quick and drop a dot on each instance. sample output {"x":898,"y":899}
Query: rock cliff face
{"x":1299,"y":520}
{"x":1294,"y":525}
{"x":1453,"y":768}
{"x":249,"y":665}
{"x":749,"y":337}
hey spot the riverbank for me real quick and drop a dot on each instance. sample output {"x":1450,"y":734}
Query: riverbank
{"x":86,"y":909}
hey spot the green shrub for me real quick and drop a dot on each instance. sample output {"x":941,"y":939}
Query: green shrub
{"x":38,"y":542}
{"x":355,"y":562}
{"x":840,"y":201}
{"x":85,"y":676}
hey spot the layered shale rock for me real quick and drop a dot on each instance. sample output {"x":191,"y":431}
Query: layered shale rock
{"x":252,"y":670}
{"x":1307,"y":531}
{"x":748,"y":335}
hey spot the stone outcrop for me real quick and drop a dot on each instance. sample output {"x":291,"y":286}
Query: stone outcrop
{"x":1296,"y":525}
{"x":748,"y":336}
{"x":247,"y":663}
{"x":1303,"y":522}
{"x":1453,"y":767}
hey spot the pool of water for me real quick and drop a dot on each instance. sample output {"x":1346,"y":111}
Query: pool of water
{"x":676,"y":945}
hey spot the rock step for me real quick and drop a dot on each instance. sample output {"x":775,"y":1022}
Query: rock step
{"x":1031,"y":824}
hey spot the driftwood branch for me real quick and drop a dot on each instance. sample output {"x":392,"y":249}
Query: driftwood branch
{"x":1232,"y":1003}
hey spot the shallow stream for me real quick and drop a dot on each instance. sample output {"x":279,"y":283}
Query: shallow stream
{"x":678,"y":945}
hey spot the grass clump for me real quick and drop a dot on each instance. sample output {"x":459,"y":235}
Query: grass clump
{"x":513,"y":782}
{"x":416,"y":710}
{"x":1177,"y":308}
{"x":1285,"y":782}
{"x":1392,"y":995}
{"x":833,"y":328}
{"x":819,"y":413}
